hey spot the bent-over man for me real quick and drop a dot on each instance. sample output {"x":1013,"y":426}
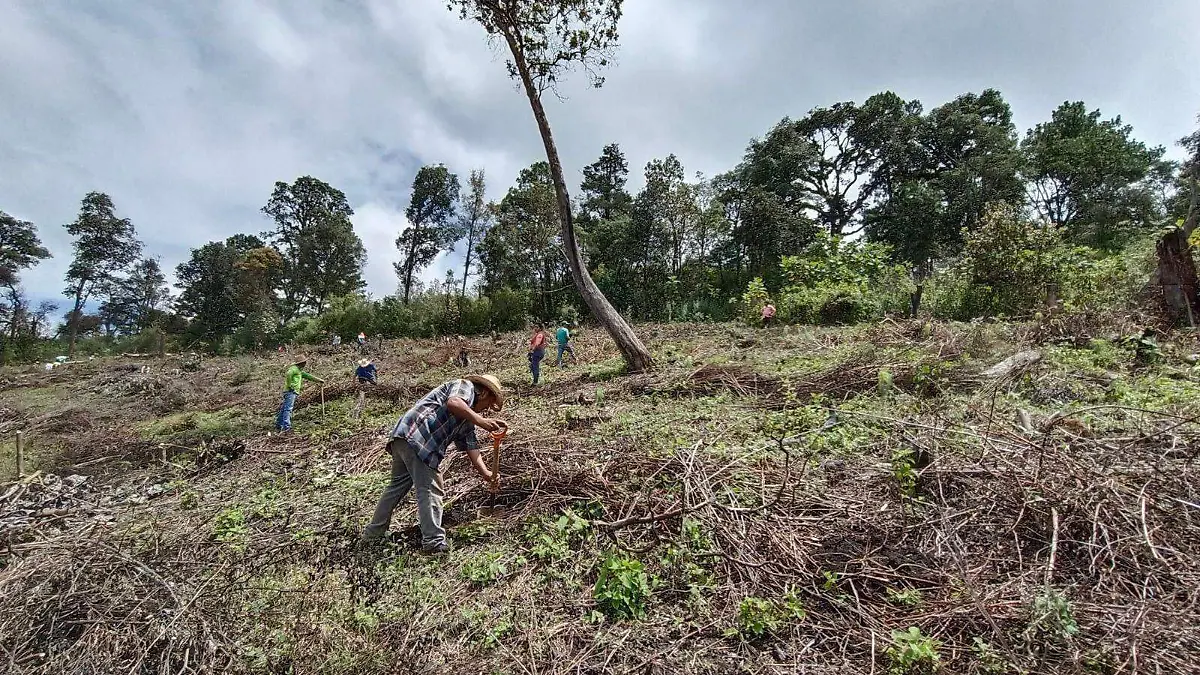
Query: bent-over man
{"x":448,"y":414}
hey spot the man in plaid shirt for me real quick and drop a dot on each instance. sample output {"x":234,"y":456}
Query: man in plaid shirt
{"x":448,"y":414}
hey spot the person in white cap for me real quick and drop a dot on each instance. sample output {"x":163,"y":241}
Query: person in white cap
{"x":448,"y":414}
{"x":365,"y":372}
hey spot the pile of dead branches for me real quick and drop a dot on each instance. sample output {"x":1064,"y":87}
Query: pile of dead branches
{"x":44,"y":504}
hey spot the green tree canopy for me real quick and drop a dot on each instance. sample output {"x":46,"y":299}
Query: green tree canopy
{"x":135,"y":300}
{"x":209,"y":283}
{"x":1089,"y":176}
{"x":104,"y":246}
{"x":20,"y":248}
{"x":322,"y":255}
{"x":523,"y":250}
{"x":474,"y":222}
{"x":431,"y":226}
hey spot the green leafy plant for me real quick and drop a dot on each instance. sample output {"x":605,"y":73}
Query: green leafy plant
{"x":496,"y":632}
{"x":229,"y":527}
{"x":472,"y":532}
{"x":1051,"y":616}
{"x":189,"y":500}
{"x":265,"y":503}
{"x":623,"y":588}
{"x":886,"y":385}
{"x":1144,"y":346}
{"x":485,"y":569}
{"x":908,"y":597}
{"x":931,"y":379}
{"x":905,"y":472}
{"x":551,"y":538}
{"x":830,"y":581}
{"x":990,"y":660}
{"x":753,"y":300}
{"x":758,"y":617}
{"x":912,"y":653}
{"x":364,"y":619}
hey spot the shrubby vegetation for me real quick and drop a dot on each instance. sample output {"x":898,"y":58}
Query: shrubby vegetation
{"x":848,"y":214}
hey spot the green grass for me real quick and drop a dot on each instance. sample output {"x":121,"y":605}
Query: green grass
{"x":182,"y":426}
{"x":37,"y":455}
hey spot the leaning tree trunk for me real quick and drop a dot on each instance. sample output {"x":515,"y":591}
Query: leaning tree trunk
{"x":1176,"y":273}
{"x":637,"y":357}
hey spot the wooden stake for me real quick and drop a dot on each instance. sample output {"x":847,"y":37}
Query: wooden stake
{"x":20,"y":454}
{"x":322,"y":399}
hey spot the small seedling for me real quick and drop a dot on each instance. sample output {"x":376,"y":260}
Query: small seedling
{"x":756,"y":617}
{"x":229,"y":527}
{"x":904,"y":471}
{"x":908,"y":597}
{"x":1051,"y":615}
{"x":990,"y":660}
{"x":623,"y":588}
{"x":912,"y":653}
{"x":485,"y":569}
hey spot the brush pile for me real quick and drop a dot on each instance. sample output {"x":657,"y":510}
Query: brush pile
{"x":905,"y":524}
{"x":46,"y":504}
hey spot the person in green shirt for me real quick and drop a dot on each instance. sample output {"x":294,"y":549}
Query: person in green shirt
{"x":293,"y":380}
{"x":563,"y":337}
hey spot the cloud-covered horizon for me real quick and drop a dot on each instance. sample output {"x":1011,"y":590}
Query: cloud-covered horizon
{"x":186,"y":114}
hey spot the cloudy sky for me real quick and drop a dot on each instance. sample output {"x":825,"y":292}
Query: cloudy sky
{"x":187,"y":113}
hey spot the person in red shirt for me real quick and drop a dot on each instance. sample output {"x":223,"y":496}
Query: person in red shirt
{"x":537,"y":351}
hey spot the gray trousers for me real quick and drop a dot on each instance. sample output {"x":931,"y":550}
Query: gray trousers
{"x":408,"y":471}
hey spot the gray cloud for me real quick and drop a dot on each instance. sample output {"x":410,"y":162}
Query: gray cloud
{"x":187,"y":113}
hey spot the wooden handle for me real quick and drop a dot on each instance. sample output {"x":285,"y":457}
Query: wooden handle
{"x":496,"y":461}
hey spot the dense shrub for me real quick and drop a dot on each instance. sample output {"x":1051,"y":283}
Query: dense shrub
{"x":837,"y":282}
{"x":1011,"y":265}
{"x":753,"y":300}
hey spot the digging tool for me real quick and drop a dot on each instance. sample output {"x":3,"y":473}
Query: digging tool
{"x":497,"y":436}
{"x":322,"y":400}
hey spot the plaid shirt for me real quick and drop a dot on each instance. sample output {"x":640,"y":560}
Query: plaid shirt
{"x":429,"y":427}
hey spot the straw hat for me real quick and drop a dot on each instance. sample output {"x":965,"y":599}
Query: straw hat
{"x":299,"y":358}
{"x":490,"y":383}
{"x":363,"y":363}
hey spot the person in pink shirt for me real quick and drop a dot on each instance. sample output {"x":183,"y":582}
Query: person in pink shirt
{"x":537,"y":351}
{"x":768,"y":314}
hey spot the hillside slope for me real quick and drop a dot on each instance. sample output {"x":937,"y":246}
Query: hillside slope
{"x":799,"y":500}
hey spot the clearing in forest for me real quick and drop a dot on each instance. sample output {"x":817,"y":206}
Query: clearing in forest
{"x":870,"y":499}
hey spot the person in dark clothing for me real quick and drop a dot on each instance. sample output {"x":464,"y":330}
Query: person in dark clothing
{"x":365,"y":373}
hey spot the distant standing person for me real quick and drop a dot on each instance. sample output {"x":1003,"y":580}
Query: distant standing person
{"x":362,"y":341}
{"x":537,"y":351}
{"x":293,"y":379}
{"x":563,"y":337}
{"x":448,"y":414}
{"x":768,"y":314}
{"x":365,"y":373}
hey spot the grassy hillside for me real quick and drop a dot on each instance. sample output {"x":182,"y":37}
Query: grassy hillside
{"x":867,"y":499}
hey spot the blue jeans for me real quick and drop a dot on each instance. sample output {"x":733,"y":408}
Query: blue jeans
{"x":535,"y":362}
{"x":564,"y":348}
{"x":283,"y":421}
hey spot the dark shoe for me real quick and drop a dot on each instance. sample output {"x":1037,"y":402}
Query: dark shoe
{"x":436,"y":549}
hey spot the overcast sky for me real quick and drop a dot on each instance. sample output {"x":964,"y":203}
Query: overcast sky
{"x":186,"y":113}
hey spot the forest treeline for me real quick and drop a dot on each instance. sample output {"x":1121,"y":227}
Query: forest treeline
{"x":846,"y":214}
